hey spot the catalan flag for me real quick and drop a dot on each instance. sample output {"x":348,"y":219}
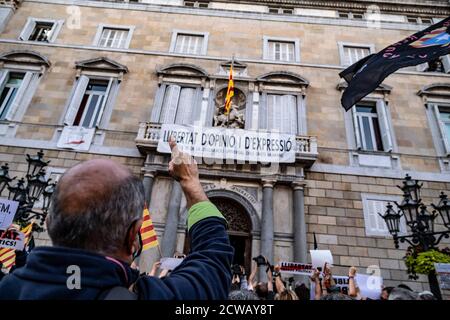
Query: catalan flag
{"x":148,"y":234}
{"x":7,"y":255}
{"x":230,"y":92}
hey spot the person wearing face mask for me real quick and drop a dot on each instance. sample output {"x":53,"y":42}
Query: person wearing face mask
{"x":94,"y":225}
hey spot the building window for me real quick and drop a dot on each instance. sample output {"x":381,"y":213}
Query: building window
{"x":351,"y":54}
{"x":369,"y":128}
{"x":189,"y":43}
{"x":440,"y":65}
{"x":281,"y":49}
{"x":442,"y":114}
{"x":109,"y":36}
{"x":280,"y":10}
{"x":41,"y":30}
{"x":350,"y":15}
{"x":9,"y":92}
{"x":420,"y":20}
{"x":90,"y":97}
{"x":196,"y":4}
{"x":372,"y":126}
{"x":178,"y":104}
{"x":282,"y":113}
{"x":373,"y":205}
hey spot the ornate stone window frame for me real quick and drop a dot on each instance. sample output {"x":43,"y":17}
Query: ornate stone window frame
{"x":279,"y":82}
{"x":183,"y":75}
{"x":31,"y":24}
{"x":102,"y":26}
{"x":434,"y":96}
{"x":176,"y":32}
{"x":373,"y":159}
{"x":34,"y":65}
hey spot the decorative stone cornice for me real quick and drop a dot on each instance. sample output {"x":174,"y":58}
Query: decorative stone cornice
{"x":268,"y":182}
{"x":12,"y":3}
{"x":438,"y":7}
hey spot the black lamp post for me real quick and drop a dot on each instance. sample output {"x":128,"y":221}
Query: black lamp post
{"x":28,"y":190}
{"x":420,"y":221}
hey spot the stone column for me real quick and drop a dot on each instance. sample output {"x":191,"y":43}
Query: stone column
{"x":169,"y":239}
{"x":300,"y":243}
{"x":149,"y":177}
{"x":267,"y":228}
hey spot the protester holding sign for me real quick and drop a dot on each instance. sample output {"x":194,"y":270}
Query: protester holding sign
{"x":94,"y":222}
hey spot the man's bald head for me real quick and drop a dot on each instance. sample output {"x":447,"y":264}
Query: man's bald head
{"x":94,"y":205}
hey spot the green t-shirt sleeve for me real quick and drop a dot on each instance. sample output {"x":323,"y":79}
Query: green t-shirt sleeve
{"x":202,"y":210}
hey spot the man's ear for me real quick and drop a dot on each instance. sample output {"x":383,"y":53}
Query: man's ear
{"x":132,"y":237}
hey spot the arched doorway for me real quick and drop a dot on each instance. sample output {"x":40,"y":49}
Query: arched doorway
{"x":239,"y":229}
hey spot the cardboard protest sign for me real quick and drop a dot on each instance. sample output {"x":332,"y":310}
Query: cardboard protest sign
{"x":170,"y":263}
{"x":12,"y":239}
{"x":296,"y":268}
{"x":8,"y":209}
{"x":319,"y":257}
{"x":443,"y":272}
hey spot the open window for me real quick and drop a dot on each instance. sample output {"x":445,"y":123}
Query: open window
{"x":93,"y":95}
{"x":41,"y":30}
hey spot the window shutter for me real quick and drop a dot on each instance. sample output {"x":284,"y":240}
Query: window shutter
{"x":185,"y":106}
{"x":197,"y":107}
{"x":75,"y":100}
{"x":27,"y":30}
{"x":356,"y":128}
{"x":422,"y":67}
{"x":159,"y":99}
{"x":301,"y":115}
{"x":105,"y":101}
{"x":444,"y":138}
{"x":3,"y":79}
{"x":263,"y":110}
{"x":446,"y":63}
{"x":249,"y":111}
{"x":19,"y":96}
{"x":292,"y":112}
{"x":170,"y":104}
{"x":386,"y":135}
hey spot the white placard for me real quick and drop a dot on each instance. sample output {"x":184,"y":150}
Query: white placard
{"x":12,"y":239}
{"x":233,"y":144}
{"x":319,"y":257}
{"x":170,"y":263}
{"x":8,"y":209}
{"x":76,"y":138}
{"x":443,"y":271}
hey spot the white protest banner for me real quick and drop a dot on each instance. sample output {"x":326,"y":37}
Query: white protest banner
{"x":341,"y":283}
{"x":76,"y":138}
{"x":319,"y":257}
{"x":296,"y":268}
{"x":443,"y":272}
{"x":229,"y":143}
{"x":12,"y":239}
{"x":170,"y":263}
{"x":8,"y":209}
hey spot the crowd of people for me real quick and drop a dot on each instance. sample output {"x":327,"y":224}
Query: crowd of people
{"x":94,"y":225}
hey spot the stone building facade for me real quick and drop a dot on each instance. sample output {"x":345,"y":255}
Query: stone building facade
{"x":119,"y":69}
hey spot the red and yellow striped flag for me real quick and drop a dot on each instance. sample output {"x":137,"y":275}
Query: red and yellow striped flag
{"x":7,"y":255}
{"x":148,"y":234}
{"x":230,"y":92}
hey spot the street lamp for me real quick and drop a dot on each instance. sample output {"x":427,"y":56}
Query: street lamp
{"x":28,"y":190}
{"x":420,"y":221}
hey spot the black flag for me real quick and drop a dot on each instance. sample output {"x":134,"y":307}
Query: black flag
{"x":367,"y":74}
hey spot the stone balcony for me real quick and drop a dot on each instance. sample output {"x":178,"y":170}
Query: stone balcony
{"x":149,"y":134}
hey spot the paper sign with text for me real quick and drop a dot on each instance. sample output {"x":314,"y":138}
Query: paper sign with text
{"x":170,"y":263}
{"x":443,"y":272}
{"x":12,"y":239}
{"x":296,"y":268}
{"x":8,"y":209}
{"x":319,"y":257}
